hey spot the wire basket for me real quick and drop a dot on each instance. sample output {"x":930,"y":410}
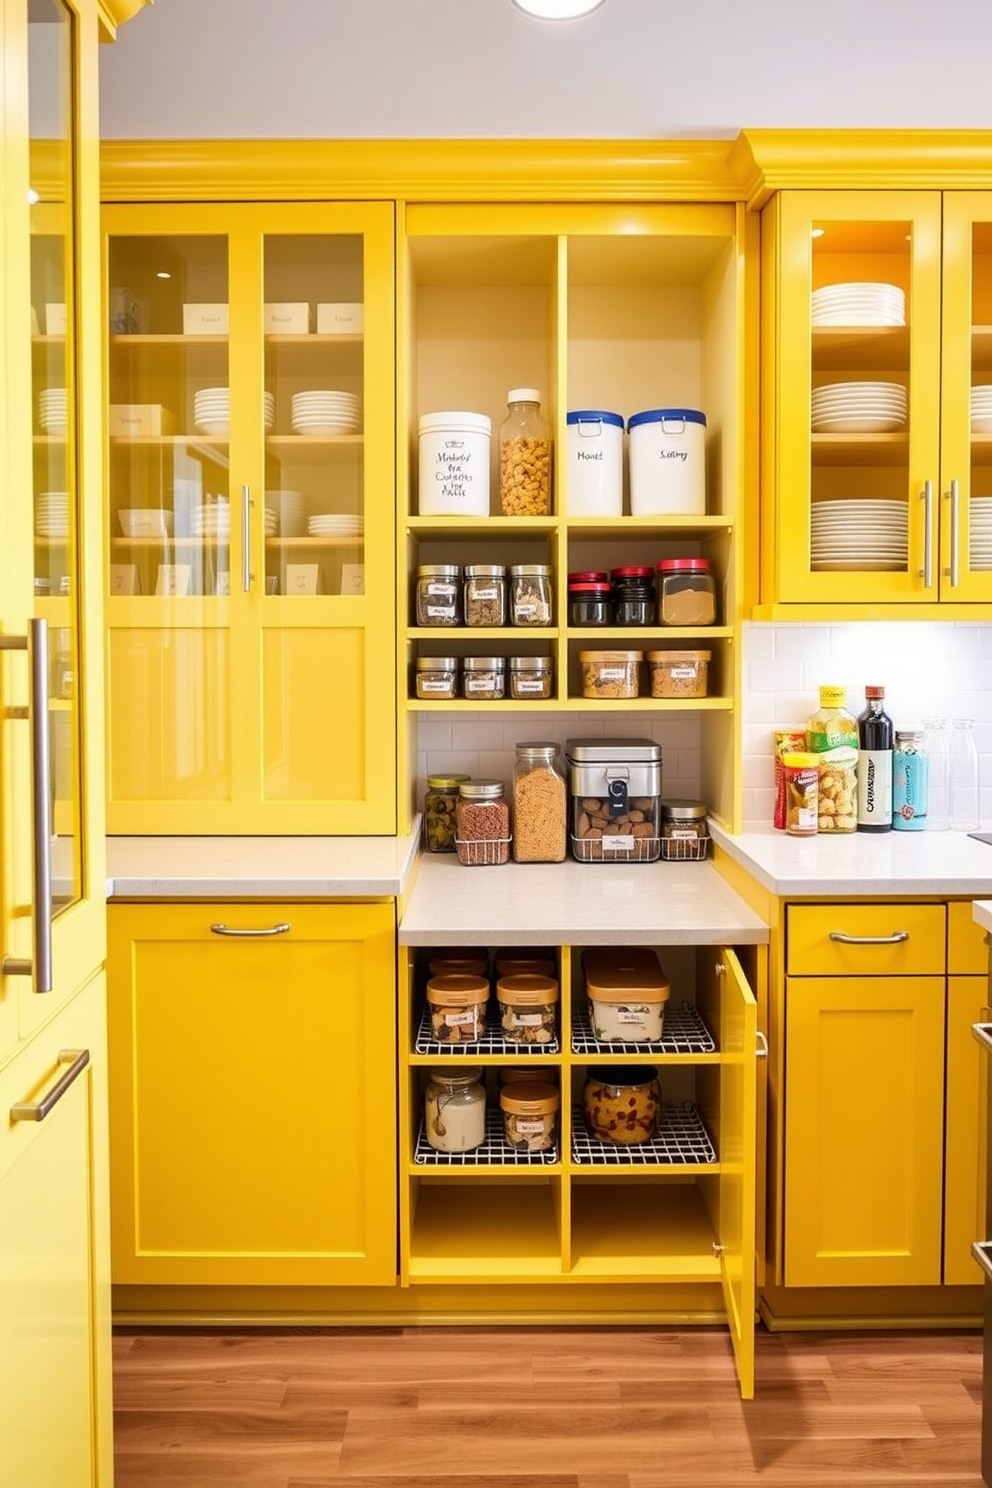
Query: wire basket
{"x":482,"y":851}
{"x":685,"y":849}
{"x":592,"y":850}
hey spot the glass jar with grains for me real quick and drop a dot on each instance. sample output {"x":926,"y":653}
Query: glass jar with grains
{"x":484,"y":677}
{"x":540,"y":814}
{"x":482,"y":823}
{"x":524,"y":457}
{"x":686,"y":592}
{"x":484,"y":594}
{"x":529,"y":676}
{"x":439,"y":594}
{"x":440,"y":799}
{"x":530,"y":594}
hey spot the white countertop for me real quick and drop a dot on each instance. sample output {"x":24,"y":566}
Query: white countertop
{"x":260,"y":867}
{"x":876,"y":864}
{"x":981,"y":913}
{"x":664,"y":903}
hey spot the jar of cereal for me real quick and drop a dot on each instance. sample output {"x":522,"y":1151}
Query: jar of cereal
{"x":540,"y":813}
{"x":524,"y":457}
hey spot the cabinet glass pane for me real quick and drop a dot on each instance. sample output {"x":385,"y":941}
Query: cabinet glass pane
{"x":861,"y":396}
{"x":314,"y":448}
{"x":53,"y":375}
{"x":980,"y":506}
{"x":169,"y":416}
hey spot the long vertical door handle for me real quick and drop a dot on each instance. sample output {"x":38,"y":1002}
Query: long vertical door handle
{"x":40,"y":966}
{"x":926,"y":573}
{"x":955,"y":499}
{"x":246,"y":574}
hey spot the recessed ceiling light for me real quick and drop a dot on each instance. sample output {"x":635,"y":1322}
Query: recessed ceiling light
{"x":163,"y":274}
{"x":557,"y":10}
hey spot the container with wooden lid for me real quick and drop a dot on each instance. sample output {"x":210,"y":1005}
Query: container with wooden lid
{"x":457,"y":1003}
{"x":530,"y":1115}
{"x":527,"y":1006}
{"x":627,"y":990}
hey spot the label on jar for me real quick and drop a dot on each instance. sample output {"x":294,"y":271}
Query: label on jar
{"x":460,"y":1018}
{"x":525,"y":609}
{"x":529,"y":1020}
{"x":445,"y":589}
{"x":485,"y":682}
{"x":686,"y":833}
{"x":529,"y":684}
{"x":632,"y":1015}
{"x":686,"y":673}
{"x":529,"y":1126}
{"x":613,"y":674}
{"x":425,"y":684}
{"x":490,"y":593}
{"x":617,"y":844}
{"x":442,"y":611}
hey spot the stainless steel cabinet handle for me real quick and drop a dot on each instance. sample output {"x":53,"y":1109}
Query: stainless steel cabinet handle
{"x":279,"y":929}
{"x":980,"y":1250}
{"x":926,"y":572}
{"x":77,"y":1060}
{"x":40,"y":966}
{"x":246,"y":573}
{"x":983,"y":1033}
{"x":954,"y":495}
{"x":893,"y":939}
{"x":762,"y":1050}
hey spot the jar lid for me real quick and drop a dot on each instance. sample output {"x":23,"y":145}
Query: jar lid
{"x":588,"y":576}
{"x":613,"y":751}
{"x":485,"y":571}
{"x":593,"y":416}
{"x":481,"y":790}
{"x":624,"y":971}
{"x":483,"y":663}
{"x":523,"y":395}
{"x":675,"y":810}
{"x":526,"y":989}
{"x":473,"y":959}
{"x":530,"y":570}
{"x":601,"y":658}
{"x":874,"y":692}
{"x":537,"y":747}
{"x":798,"y":759}
{"x":664,"y":656}
{"x":525,"y":960}
{"x":911,"y":736}
{"x":664,"y":415}
{"x":438,"y":571}
{"x":457,"y":988}
{"x":514,"y":1075}
{"x":626,"y":1076}
{"x":833,"y":697}
{"x":473,"y":423}
{"x":530,"y":663}
{"x":454,"y":1077}
{"x":633,"y":571}
{"x":529,"y":1098}
{"x":683,"y":565}
{"x":446,"y":782}
{"x":437,"y":663}
{"x":589,"y":588}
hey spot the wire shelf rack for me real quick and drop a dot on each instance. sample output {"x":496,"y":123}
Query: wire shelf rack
{"x":683,"y":1032}
{"x":494,"y":1152}
{"x":681,"y":1141}
{"x":493,"y":1041}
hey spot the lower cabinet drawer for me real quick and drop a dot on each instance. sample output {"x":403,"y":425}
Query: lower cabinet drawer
{"x":877,"y":939}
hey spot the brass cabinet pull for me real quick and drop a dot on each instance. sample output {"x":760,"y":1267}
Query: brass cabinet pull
{"x":926,"y":572}
{"x":762,"y":1050}
{"x":77,"y":1060}
{"x":893,"y":939}
{"x":40,"y":966}
{"x":279,"y":929}
{"x":954,"y":496}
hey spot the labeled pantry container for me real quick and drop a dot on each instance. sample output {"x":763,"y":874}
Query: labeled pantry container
{"x":686,"y":592}
{"x":457,"y":1003}
{"x":667,"y":454}
{"x":615,"y":800}
{"x":482,"y":824}
{"x":593,"y":473}
{"x":454,"y":464}
{"x":530,"y":1115}
{"x":455,"y":1110}
{"x":527,"y":1007}
{"x":540,"y":814}
{"x":626,"y":992}
{"x":524,"y":456}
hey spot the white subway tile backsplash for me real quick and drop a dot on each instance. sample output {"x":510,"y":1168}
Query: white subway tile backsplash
{"x":807,"y":643}
{"x":763,"y":675}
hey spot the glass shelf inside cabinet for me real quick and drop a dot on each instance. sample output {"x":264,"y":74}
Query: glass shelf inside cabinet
{"x":169,"y":417}
{"x":314,"y":516}
{"x":860,"y":395}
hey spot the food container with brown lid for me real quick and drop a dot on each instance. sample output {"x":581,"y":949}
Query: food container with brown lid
{"x":469,"y":959}
{"x":679,"y":674}
{"x":622,"y":1103}
{"x":627,"y":990}
{"x":457,"y":1003}
{"x":538,"y":960}
{"x":610,"y":674}
{"x":530,"y":1115}
{"x":527,"y":1008}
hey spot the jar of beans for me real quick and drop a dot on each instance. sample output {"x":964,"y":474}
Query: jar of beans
{"x":439,"y":593}
{"x":524,"y":457}
{"x":540,"y":814}
{"x":484,"y":594}
{"x":482,"y":823}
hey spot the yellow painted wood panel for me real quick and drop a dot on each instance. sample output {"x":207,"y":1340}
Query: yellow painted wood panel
{"x":965,"y":1139}
{"x":253,"y":1130}
{"x":738,"y":1023}
{"x":864,"y":1145}
{"x":967,"y":942}
{"x":810,"y":951}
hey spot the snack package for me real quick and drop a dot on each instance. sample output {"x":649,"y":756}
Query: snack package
{"x":787,"y":741}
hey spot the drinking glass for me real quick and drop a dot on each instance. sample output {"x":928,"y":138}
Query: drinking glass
{"x":964,"y":776}
{"x":938,"y":774}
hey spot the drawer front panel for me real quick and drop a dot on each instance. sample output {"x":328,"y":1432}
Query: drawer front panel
{"x":882,"y":939}
{"x":967,"y":949}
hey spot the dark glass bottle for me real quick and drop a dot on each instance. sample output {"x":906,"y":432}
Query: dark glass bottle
{"x":875,"y":737}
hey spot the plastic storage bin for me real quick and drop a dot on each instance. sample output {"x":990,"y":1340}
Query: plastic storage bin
{"x":679,"y":674}
{"x":667,"y":454}
{"x":593,"y":474}
{"x":457,"y":1002}
{"x":611,"y":674}
{"x":627,"y":991}
{"x":530,"y":1115}
{"x":527,"y":1008}
{"x":454,"y":464}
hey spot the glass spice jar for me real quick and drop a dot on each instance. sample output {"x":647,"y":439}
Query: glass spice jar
{"x":589,"y":603}
{"x":529,"y":677}
{"x":455,"y":1110}
{"x":632,"y":595}
{"x":524,"y":457}
{"x":436,"y":677}
{"x":684,"y":830}
{"x":484,"y":677}
{"x":482,"y":823}
{"x":686,"y":592}
{"x":540,"y":813}
{"x":438,"y":594}
{"x":440,"y":799}
{"x":530,"y":594}
{"x":484,"y":594}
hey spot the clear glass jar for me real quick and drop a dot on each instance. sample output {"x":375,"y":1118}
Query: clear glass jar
{"x":438,"y":594}
{"x":524,"y":457}
{"x":964,"y":776}
{"x":482,"y":823}
{"x":540,"y":812}
{"x":527,"y":1008}
{"x":530,"y":594}
{"x":484,"y":677}
{"x":440,"y":800}
{"x":938,"y":774}
{"x":455,"y":1110}
{"x":684,"y":830}
{"x":632,"y":595}
{"x":484,"y":594}
{"x":530,"y":1115}
{"x":589,"y":603}
{"x":436,"y":677}
{"x":686,"y":592}
{"x":457,"y":1005}
{"x":530,"y":677}
{"x":622,"y":1103}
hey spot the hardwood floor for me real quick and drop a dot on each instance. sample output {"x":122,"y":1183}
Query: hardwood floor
{"x":543,"y":1408}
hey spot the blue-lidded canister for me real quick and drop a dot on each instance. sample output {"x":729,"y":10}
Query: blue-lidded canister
{"x":593,"y":473}
{"x":667,"y":462}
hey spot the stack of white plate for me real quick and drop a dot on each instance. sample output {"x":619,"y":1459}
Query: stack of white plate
{"x":212,"y":518}
{"x":322,"y":412}
{"x":980,"y":510}
{"x":859,"y":533}
{"x":212,"y":411}
{"x":334,"y":525}
{"x":271,"y":521}
{"x":981,"y":409}
{"x":53,"y":410}
{"x":51,"y":514}
{"x":859,"y":303}
{"x":858,"y":408}
{"x":288,"y":509}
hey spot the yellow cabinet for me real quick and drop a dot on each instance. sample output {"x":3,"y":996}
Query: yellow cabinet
{"x":876,"y":400}
{"x":250,"y":519}
{"x":967,"y":1069}
{"x":676,"y":1211}
{"x":252,"y":1055}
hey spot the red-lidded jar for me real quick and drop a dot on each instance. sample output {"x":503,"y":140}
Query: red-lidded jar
{"x":589,"y":602}
{"x":686,"y":592}
{"x":632,"y":595}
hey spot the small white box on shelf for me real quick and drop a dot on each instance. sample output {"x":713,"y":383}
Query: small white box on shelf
{"x":173,"y":578}
{"x":205,"y":320}
{"x":287,"y":318}
{"x":303,"y":578}
{"x":124,"y":578}
{"x":222,"y":583}
{"x":55,"y":320}
{"x":128,"y":314}
{"x":353,"y":578}
{"x":137,"y":419}
{"x":340,"y":319}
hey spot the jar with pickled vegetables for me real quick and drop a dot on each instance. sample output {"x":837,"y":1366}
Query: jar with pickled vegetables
{"x":440,"y":799}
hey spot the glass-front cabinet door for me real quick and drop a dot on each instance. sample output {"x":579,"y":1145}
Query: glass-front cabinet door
{"x":250,"y":392}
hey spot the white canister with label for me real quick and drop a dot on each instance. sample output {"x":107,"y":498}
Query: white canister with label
{"x":454,"y":464}
{"x":667,"y":462}
{"x":594,"y":463}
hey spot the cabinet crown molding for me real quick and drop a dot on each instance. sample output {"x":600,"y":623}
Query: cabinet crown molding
{"x":113,"y":13}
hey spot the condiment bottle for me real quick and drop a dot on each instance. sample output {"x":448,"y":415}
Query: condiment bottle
{"x":909,"y":782}
{"x":874,"y":764}
{"x":524,"y":457}
{"x":832,"y":735}
{"x":800,"y":780}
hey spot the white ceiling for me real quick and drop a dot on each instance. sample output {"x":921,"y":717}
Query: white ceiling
{"x":481,"y":69}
